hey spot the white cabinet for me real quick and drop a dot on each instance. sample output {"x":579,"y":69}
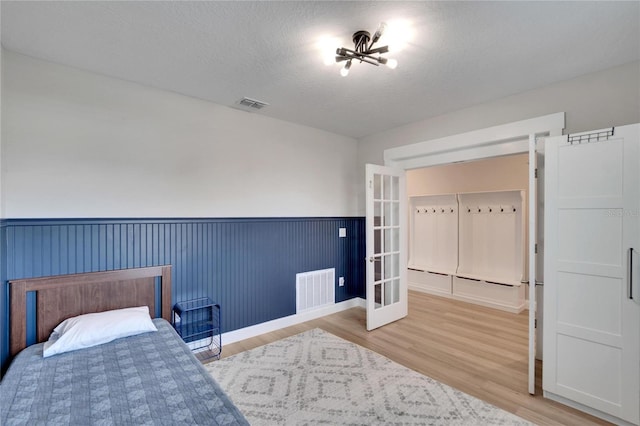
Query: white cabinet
{"x":591,"y":297}
{"x":491,"y":250}
{"x":434,"y":233}
{"x":433,"y":241}
{"x":469,"y":246}
{"x":430,"y":282}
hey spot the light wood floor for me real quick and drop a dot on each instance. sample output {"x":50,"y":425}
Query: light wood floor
{"x":480,"y":351}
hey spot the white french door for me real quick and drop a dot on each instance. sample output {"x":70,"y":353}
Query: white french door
{"x":386,"y":231}
{"x":591,"y":296}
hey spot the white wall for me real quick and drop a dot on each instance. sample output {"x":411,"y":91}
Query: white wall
{"x":1,"y":101}
{"x":494,"y":174}
{"x":593,"y":101}
{"x":78,"y":144}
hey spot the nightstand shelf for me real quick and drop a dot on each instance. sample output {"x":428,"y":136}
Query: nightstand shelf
{"x":197,"y":320}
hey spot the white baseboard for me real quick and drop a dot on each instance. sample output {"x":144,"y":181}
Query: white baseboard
{"x":492,"y":303}
{"x":429,"y":290}
{"x":277,"y":324}
{"x":588,"y":410}
{"x":475,"y":301}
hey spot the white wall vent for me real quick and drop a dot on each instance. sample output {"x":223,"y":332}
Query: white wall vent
{"x":251,"y":104}
{"x":315,"y":289}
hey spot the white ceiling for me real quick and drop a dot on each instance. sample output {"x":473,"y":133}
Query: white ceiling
{"x":463,"y":53}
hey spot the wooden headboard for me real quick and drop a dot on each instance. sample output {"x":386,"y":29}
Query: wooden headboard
{"x":63,"y":296}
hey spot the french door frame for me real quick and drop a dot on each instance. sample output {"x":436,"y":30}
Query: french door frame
{"x":496,"y":141}
{"x":386,"y":227}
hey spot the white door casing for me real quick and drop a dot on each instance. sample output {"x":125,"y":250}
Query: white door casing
{"x":533,"y":207}
{"x":540,"y":167}
{"x":592,"y":321}
{"x":386,"y":247}
{"x":505,"y":139}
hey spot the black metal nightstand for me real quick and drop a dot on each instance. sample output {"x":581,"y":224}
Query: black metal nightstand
{"x":199,"y":319}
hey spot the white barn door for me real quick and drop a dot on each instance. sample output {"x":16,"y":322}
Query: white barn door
{"x":386,"y":229}
{"x":591,"y":296}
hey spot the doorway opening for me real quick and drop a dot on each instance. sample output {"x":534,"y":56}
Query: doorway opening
{"x":513,"y":138}
{"x":468,"y":243}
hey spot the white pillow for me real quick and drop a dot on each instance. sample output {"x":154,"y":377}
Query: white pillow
{"x":85,"y":331}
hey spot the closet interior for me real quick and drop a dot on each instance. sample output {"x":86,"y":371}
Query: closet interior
{"x":469,"y":245}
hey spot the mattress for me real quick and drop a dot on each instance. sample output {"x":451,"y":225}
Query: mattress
{"x":148,"y":379}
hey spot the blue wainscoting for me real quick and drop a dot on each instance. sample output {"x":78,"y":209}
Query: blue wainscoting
{"x":248,"y":265}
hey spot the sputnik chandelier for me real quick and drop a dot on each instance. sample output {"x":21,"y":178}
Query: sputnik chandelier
{"x":364,"y":51}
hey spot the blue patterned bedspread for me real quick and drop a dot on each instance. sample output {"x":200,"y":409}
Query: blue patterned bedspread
{"x":149,"y":379}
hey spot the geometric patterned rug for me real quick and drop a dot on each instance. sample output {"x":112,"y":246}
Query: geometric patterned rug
{"x":318,"y":378}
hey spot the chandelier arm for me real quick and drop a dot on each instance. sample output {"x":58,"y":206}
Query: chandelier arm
{"x":350,"y":51}
{"x":373,"y":58}
{"x":373,"y":41}
{"x":382,"y":49}
{"x":360,"y":55}
{"x":363,"y":59}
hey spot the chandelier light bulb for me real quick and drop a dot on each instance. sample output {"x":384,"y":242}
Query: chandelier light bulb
{"x":392,"y":63}
{"x":345,"y":70}
{"x":327,"y":47}
{"x":379,"y":32}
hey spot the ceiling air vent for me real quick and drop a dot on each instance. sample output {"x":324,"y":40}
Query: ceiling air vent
{"x":249,"y":104}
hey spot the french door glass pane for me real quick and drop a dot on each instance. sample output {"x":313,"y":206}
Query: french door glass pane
{"x":395,"y":188}
{"x":387,"y":214}
{"x":388,"y":245}
{"x":395,"y":214}
{"x":386,"y":187}
{"x":388,"y":292}
{"x":396,"y":240}
{"x":387,"y":267}
{"x":396,"y":265}
{"x":396,"y":291}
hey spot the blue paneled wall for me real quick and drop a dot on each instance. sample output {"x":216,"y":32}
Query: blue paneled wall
{"x":247,"y":265}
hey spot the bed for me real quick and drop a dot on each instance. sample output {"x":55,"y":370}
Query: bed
{"x":149,"y":378}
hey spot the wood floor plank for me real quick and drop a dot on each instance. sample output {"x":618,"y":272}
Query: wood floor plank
{"x":478,"y":350}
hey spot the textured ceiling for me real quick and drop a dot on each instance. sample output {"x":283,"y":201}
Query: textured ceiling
{"x":462,"y":53}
